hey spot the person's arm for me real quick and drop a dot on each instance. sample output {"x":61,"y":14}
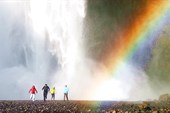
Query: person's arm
{"x":48,"y":89}
{"x":30,"y":90}
{"x":36,"y":90}
{"x":42,"y":88}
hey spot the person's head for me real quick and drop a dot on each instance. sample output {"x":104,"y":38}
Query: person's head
{"x":33,"y":86}
{"x":65,"y":85}
{"x":53,"y":87}
{"x":45,"y":84}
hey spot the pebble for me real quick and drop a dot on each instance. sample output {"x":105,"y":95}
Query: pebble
{"x":155,"y":112}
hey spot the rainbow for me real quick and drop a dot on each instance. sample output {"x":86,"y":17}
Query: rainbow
{"x":151,"y":19}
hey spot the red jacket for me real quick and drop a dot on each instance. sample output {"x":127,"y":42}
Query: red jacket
{"x":33,"y":90}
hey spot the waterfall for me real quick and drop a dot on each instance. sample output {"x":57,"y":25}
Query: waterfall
{"x":45,"y":42}
{"x":41,"y":42}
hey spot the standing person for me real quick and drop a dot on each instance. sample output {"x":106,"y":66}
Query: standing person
{"x":46,"y":90}
{"x":52,"y":91}
{"x":66,"y":89}
{"x":33,"y":91}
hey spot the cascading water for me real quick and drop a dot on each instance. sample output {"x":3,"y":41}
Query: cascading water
{"x":41,"y":42}
{"x":61,"y":22}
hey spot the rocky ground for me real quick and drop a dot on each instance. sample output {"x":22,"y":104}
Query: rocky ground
{"x":84,"y":107}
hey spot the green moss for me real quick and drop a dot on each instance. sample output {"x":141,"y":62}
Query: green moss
{"x":159,"y":65}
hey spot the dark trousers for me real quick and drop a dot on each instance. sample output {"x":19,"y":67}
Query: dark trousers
{"x":52,"y":96}
{"x":66,"y":96}
{"x":45,"y":95}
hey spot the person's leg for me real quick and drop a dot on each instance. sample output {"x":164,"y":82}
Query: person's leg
{"x":46,"y":93}
{"x":33,"y":97}
{"x":64,"y":96}
{"x":44,"y":96}
{"x":67,"y":96}
{"x":54,"y":96}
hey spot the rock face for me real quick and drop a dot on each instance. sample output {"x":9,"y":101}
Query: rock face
{"x":84,"y":107}
{"x":164,"y":97}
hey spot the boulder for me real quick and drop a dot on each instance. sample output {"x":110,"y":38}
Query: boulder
{"x":164,"y":97}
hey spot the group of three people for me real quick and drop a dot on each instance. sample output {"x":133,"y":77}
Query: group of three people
{"x":46,"y":89}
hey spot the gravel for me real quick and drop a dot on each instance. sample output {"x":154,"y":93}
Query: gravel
{"x":39,"y":106}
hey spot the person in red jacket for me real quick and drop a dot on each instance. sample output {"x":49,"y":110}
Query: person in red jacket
{"x":33,"y":91}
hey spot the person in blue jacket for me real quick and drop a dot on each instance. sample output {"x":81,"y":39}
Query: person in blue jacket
{"x":66,"y":89}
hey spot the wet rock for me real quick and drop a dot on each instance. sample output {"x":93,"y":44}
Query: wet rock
{"x":147,"y":108}
{"x":89,"y":111}
{"x":114,"y":111}
{"x":154,"y":111}
{"x":164,"y":97}
{"x":141,"y":106}
{"x":161,"y":110}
